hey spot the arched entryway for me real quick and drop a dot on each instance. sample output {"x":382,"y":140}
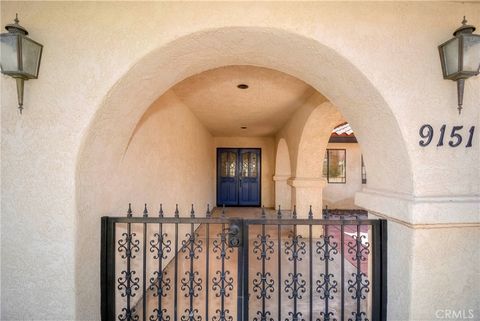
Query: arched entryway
{"x":108,"y":136}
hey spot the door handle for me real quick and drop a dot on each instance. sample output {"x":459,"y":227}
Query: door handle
{"x":234,"y":232}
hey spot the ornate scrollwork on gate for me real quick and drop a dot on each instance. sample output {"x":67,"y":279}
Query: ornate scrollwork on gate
{"x":326,"y":286}
{"x":326,"y":248}
{"x":326,"y":316}
{"x":192,"y":246}
{"x":128,"y":245}
{"x":222,"y":315}
{"x":263,"y":316}
{"x":128,"y":315}
{"x":263,"y":246}
{"x":359,"y":285}
{"x":128,"y":283}
{"x":360,"y":248}
{"x":295,"y":285}
{"x":191,"y":284}
{"x":160,"y":283}
{"x":295,"y":247}
{"x":159,"y":315}
{"x":263,"y":285}
{"x":295,"y":316}
{"x":160,"y":246}
{"x":191,"y":314}
{"x":358,"y":316}
{"x":222,"y":283}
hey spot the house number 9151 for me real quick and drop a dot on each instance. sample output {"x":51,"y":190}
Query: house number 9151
{"x":426,"y":133}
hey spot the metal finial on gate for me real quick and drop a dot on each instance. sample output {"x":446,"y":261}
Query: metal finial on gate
{"x":294,"y":214}
{"x":310,"y":213}
{"x":145,"y":211}
{"x":279,"y":212}
{"x":160,"y":213}
{"x":129,"y":211}
{"x":176,"y":211}
{"x":192,"y":212}
{"x":209,"y":214}
{"x":223,"y":211}
{"x":327,"y":214}
{"x":263,"y":212}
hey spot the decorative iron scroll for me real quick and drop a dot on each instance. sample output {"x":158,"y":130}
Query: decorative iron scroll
{"x":263,"y":285}
{"x":128,"y":283}
{"x":160,"y":246}
{"x":191,"y":283}
{"x":222,"y":282}
{"x":359,"y":286}
{"x":326,"y":286}
{"x":296,"y":285}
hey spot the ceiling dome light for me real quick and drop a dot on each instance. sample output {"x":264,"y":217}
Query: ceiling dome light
{"x":242,"y":86}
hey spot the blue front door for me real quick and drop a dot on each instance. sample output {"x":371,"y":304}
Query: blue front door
{"x":238,"y":176}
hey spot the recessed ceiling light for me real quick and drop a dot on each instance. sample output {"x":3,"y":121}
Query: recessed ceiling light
{"x":242,"y":86}
{"x":243,"y":127}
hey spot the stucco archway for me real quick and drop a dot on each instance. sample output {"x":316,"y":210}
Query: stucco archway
{"x":305,"y":58}
{"x":314,"y":140}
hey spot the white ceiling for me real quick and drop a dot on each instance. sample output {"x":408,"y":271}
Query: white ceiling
{"x":270,"y":100}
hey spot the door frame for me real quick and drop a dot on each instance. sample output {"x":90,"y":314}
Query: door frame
{"x":259,"y":149}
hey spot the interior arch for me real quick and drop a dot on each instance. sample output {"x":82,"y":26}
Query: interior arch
{"x":283,"y":172}
{"x":282,"y":160}
{"x":314,"y":140}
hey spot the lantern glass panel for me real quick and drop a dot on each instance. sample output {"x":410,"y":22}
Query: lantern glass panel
{"x":450,"y":56}
{"x":471,"y":53}
{"x":9,"y":53}
{"x":31,"y":52}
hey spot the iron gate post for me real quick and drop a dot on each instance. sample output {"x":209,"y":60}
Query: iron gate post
{"x":107,"y":253}
{"x":242,"y":288}
{"x":379,"y":277}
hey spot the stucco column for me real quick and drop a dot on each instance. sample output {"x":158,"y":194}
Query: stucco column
{"x":307,"y":191}
{"x":283,"y":192}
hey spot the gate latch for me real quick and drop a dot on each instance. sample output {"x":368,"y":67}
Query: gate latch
{"x":234,"y":232}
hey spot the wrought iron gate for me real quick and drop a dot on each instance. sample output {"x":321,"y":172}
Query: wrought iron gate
{"x":275,"y":267}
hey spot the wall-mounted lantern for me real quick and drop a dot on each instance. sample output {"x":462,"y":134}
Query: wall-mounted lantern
{"x":20,"y":56}
{"x":460,"y":57}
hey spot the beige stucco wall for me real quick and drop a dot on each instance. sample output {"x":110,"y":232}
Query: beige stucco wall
{"x":343,"y":195}
{"x":157,"y":165}
{"x":267,"y":145}
{"x":105,"y":63}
